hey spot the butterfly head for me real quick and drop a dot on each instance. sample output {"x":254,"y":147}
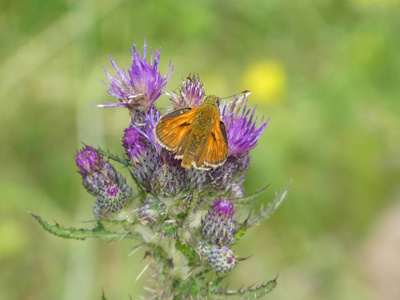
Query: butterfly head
{"x":212,"y":99}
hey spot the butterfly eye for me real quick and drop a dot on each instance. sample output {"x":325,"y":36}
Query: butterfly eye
{"x":218,"y":102}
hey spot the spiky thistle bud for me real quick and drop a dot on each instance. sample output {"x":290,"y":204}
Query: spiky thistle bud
{"x":111,"y":199}
{"x":222,"y":259}
{"x":204,"y":248}
{"x":95,"y":170}
{"x":219,"y":225}
{"x":102,"y":180}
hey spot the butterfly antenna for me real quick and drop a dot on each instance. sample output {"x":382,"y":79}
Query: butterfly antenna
{"x":245,"y":93}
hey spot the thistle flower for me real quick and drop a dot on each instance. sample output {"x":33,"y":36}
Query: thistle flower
{"x":242,"y":131}
{"x":88,"y":161}
{"x":139,"y":86}
{"x":219,"y":226}
{"x":189,"y":94}
{"x":222,"y":259}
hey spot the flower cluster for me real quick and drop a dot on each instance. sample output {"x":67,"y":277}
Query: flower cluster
{"x":158,"y":170}
{"x":184,"y":216}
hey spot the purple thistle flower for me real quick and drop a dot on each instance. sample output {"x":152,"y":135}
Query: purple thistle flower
{"x":88,"y":161}
{"x":139,"y":86}
{"x":133,"y":142}
{"x":190,"y":94}
{"x":219,"y":226}
{"x":242,"y":132}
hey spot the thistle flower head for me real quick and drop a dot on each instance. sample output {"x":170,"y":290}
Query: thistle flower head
{"x":222,"y":259}
{"x":88,"y":161}
{"x":134,"y":142}
{"x":241,"y":128}
{"x":138,"y":87}
{"x":189,"y":94}
{"x":219,"y":226}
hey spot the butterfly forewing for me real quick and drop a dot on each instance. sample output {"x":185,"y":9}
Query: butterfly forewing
{"x":172,"y":129}
{"x":197,"y":136}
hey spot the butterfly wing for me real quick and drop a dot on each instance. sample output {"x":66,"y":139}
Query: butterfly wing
{"x":215,"y":150}
{"x":171,"y":130}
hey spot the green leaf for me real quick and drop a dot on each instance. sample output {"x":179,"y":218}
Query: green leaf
{"x":247,"y":293}
{"x":246,"y":200}
{"x":242,"y":230}
{"x":187,"y":250}
{"x":114,"y":157}
{"x":80,"y":234}
{"x":264,"y":213}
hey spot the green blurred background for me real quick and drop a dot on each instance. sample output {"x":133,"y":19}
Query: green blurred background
{"x":327,"y":74}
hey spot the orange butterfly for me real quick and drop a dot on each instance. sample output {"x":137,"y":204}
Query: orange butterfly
{"x":196,"y":135}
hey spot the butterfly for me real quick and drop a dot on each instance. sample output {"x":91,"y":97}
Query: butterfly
{"x":196,"y":135}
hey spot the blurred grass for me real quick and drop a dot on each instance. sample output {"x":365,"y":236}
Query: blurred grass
{"x":331,"y":72}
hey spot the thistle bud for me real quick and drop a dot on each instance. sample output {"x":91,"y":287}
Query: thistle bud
{"x":111,"y":199}
{"x":95,"y":170}
{"x":88,"y":161}
{"x":222,"y":259}
{"x":204,"y":248}
{"x":101,"y":179}
{"x":219,"y":226}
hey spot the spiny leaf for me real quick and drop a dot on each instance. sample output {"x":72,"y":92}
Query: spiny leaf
{"x":114,"y":157}
{"x":80,"y":234}
{"x":264,"y":213}
{"x":247,"y":293}
{"x":246,"y":199}
{"x":187,"y":250}
{"x":242,"y":230}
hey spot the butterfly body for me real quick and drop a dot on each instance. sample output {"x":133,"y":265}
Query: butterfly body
{"x":196,"y":135}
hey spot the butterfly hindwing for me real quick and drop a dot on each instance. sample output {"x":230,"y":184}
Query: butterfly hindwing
{"x":215,"y":150}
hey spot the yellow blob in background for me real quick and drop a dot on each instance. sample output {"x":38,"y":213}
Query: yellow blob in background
{"x":266,"y":80}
